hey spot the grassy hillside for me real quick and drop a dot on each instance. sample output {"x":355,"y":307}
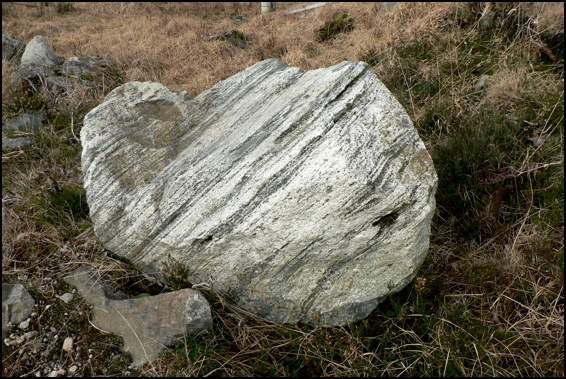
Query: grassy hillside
{"x":484,"y":85}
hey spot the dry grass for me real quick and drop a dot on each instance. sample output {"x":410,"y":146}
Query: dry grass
{"x":489,"y":298}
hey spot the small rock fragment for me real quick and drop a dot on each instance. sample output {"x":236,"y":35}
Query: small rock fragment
{"x":56,"y":373}
{"x":68,"y":344}
{"x":66,"y":297}
{"x":24,"y":324}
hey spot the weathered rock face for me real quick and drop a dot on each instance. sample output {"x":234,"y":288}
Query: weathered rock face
{"x":305,"y":196}
{"x":38,"y":59}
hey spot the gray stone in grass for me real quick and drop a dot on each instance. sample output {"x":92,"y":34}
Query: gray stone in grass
{"x":38,"y":59}
{"x":12,"y":48}
{"x":17,"y":305}
{"x":41,"y":67}
{"x":15,"y":143}
{"x":27,"y":122}
{"x":30,"y":121}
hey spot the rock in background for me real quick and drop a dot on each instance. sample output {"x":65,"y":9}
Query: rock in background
{"x":304,"y":196}
{"x":12,"y":48}
{"x":40,"y":65}
{"x":42,"y":71}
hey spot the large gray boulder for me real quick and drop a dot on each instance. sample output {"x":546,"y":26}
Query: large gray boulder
{"x":303,"y":196}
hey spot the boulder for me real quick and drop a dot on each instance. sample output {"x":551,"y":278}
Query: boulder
{"x":147,"y":324}
{"x":38,"y":59}
{"x":40,"y":65}
{"x":302,"y":196}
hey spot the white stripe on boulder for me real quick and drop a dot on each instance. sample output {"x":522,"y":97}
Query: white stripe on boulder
{"x":298,"y":194}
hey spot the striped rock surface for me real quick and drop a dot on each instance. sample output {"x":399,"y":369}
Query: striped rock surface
{"x":303,"y":196}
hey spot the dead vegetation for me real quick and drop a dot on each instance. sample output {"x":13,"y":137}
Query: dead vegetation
{"x":488,"y":300}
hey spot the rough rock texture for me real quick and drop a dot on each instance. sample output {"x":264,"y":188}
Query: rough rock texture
{"x":304,"y":196}
{"x":26,"y":123}
{"x":38,"y":59}
{"x":41,"y":68}
{"x":12,"y":48}
{"x":147,"y":324}
{"x":17,"y":304}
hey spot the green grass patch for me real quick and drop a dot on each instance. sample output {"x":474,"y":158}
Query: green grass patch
{"x":340,"y":24}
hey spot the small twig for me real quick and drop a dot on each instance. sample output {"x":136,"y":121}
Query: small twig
{"x":13,"y":154}
{"x":72,"y":126}
{"x":97,"y":328}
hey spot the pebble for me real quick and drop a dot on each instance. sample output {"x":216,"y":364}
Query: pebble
{"x":66,"y":297}
{"x":481,"y":82}
{"x":68,"y":344}
{"x":24,"y":324}
{"x":56,"y":373}
{"x":73,"y":369}
{"x":64,"y":249}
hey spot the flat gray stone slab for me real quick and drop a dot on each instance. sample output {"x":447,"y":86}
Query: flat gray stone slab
{"x":147,"y":324}
{"x":9,"y":144}
{"x":27,"y":122}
